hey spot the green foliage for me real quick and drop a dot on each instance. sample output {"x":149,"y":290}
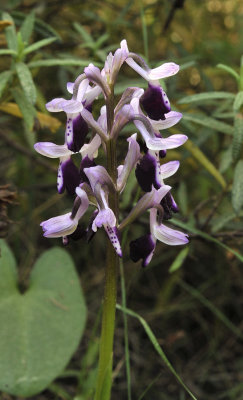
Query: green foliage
{"x":4,"y":79}
{"x":26,"y":81}
{"x":10,"y":33}
{"x":179,"y":260}
{"x":27,"y":27}
{"x":41,"y":328}
{"x":209,"y":122}
{"x":206,"y":97}
{"x":37,"y":45}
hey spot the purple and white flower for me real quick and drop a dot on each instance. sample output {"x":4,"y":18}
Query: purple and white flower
{"x":66,"y":224}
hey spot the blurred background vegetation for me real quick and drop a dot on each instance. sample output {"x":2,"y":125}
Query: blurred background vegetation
{"x":192,"y":298}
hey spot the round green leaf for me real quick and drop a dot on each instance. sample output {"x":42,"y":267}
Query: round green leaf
{"x":40,"y":329}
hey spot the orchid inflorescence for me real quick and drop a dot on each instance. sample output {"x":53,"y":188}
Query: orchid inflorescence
{"x":98,"y":186}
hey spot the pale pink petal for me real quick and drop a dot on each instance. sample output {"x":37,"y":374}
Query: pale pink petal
{"x":171,"y":119}
{"x":55,"y":105}
{"x":52,"y":150}
{"x":163,"y":71}
{"x":169,"y":169}
{"x":170,"y":236}
{"x":131,"y":159}
{"x":72,"y":106}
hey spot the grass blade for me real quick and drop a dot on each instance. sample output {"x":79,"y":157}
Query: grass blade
{"x":200,"y":156}
{"x":157,"y":347}
{"x":206,"y":97}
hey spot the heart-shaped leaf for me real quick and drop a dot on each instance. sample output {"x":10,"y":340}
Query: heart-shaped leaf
{"x":40,"y":329}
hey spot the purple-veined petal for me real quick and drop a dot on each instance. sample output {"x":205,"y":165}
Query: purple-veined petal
{"x":169,"y":169}
{"x":117,"y":61}
{"x":147,"y":201}
{"x":59,"y":226}
{"x":72,"y":106}
{"x":169,"y":206}
{"x":99,"y":175}
{"x":102,"y":120}
{"x":76,"y":132}
{"x":128,"y":95}
{"x":113,"y":235}
{"x":82,"y":88}
{"x":94,"y":75}
{"x":68,"y":176}
{"x":91,"y":149}
{"x":137,"y":68}
{"x":165,"y":234}
{"x":170,"y":236}
{"x":88,"y":117}
{"x":159,"y":194}
{"x":107,"y":67}
{"x":104,"y":217}
{"x":171,"y":119}
{"x":55,"y":105}
{"x":142,"y":248}
{"x":52,"y":150}
{"x":91,"y":94}
{"x":170,"y":142}
{"x":82,"y":195}
{"x":155,"y":102}
{"x":85,"y":163}
{"x":131,"y":159}
{"x":163,"y":71}
{"x":123,"y":116}
{"x":64,"y":225}
{"x":70,"y":86}
{"x":146,"y":172}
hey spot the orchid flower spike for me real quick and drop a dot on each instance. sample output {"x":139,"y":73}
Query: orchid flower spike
{"x":101,"y":176}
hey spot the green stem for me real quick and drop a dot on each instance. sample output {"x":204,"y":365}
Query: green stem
{"x":104,"y":380}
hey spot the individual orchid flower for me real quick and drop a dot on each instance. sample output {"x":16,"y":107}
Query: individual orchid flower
{"x":163,"y":71}
{"x":66,"y":224}
{"x":68,"y":174}
{"x":101,"y":182}
{"x":153,"y":139}
{"x":144,"y":247}
{"x":159,"y":115}
{"x":150,"y":173}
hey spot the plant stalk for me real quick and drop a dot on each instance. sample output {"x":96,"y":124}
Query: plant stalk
{"x":104,"y":380}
